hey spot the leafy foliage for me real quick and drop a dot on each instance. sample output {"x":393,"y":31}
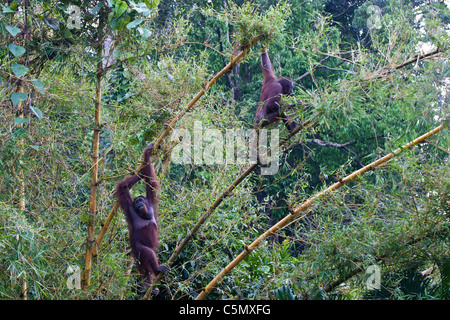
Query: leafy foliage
{"x":365,"y":90}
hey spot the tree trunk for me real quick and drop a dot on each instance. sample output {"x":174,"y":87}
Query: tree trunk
{"x":21,"y":183}
{"x":20,"y":178}
{"x":94,"y":175}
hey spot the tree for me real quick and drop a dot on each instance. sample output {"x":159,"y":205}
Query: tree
{"x":118,"y":72}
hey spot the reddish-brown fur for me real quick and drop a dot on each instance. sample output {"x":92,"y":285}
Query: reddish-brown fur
{"x":269,"y":102}
{"x":142,"y":223}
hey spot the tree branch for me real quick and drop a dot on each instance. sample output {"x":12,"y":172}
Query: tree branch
{"x":305,"y":206}
{"x":339,"y":146}
{"x":331,"y":144}
{"x":312,"y":69}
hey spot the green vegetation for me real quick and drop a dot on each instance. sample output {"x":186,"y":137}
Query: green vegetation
{"x":105,"y":85}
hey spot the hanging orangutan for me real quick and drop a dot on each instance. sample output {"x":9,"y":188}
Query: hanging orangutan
{"x":273,"y":88}
{"x":142,"y":216}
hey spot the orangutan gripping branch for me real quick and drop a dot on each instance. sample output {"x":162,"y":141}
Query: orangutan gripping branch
{"x":269,"y":106}
{"x":141,"y":214}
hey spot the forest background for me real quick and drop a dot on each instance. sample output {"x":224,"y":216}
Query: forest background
{"x":86,"y":85}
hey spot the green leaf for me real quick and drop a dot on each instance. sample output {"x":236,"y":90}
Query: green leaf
{"x":39,"y":85}
{"x":17,"y":97}
{"x":134,"y":141}
{"x":19,"y":70}
{"x":121,"y":22}
{"x":14,"y":5}
{"x":84,"y":218}
{"x":151,"y":4}
{"x":145,"y":33}
{"x":142,"y":9}
{"x":20,"y":120}
{"x":134,"y":24}
{"x":7,"y":10}
{"x":68,"y":35}
{"x":14,"y":31}
{"x":120,"y":7}
{"x":19,"y":133}
{"x":37,"y":112}
{"x":284,"y":293}
{"x":110,"y":16}
{"x":35,"y":148}
{"x":17,"y":51}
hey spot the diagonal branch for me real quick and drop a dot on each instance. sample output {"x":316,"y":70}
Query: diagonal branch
{"x":313,"y":69}
{"x":339,"y":146}
{"x":306,"y":205}
{"x":216,"y":203}
{"x":331,"y":144}
{"x":414,"y":59}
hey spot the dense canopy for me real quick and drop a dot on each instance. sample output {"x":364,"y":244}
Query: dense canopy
{"x":87,"y":85}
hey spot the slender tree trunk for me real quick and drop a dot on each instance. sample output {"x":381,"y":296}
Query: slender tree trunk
{"x":21,"y":183}
{"x":233,"y":75}
{"x":23,"y":286}
{"x":20,"y":178}
{"x":94,"y":175}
